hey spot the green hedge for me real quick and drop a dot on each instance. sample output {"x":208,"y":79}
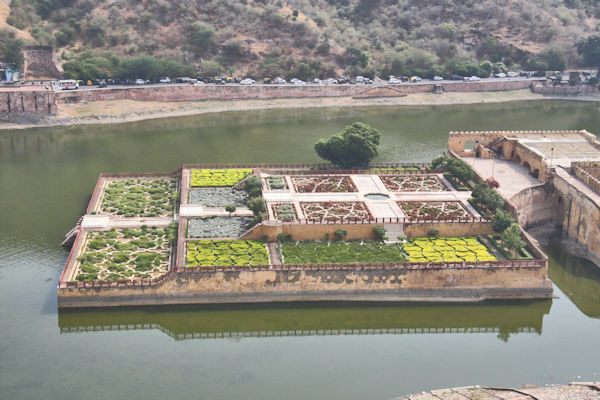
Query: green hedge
{"x":525,"y":255}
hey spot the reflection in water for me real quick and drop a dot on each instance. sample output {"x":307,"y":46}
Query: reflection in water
{"x":576,"y":277}
{"x":300,"y":319}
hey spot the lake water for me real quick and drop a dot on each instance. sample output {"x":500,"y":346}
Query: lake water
{"x":300,"y":351}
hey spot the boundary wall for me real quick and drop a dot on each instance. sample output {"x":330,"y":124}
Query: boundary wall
{"x":238,"y":92}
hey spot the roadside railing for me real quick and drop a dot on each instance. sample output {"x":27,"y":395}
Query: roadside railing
{"x":398,"y":220}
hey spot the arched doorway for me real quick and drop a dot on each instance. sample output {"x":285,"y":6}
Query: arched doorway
{"x":558,"y":215}
{"x":536,"y":173}
{"x":517,"y":158}
{"x":526,"y":165}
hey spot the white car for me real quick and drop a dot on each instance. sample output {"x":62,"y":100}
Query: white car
{"x":473,"y":78}
{"x":279,"y":81}
{"x":247,"y":81}
{"x":415,"y":79}
{"x":512,"y":74}
{"x":438,"y":78}
{"x":140,"y":82}
{"x":317,"y":80}
{"x":297,"y":81}
{"x":360,"y":79}
{"x":330,"y":81}
{"x":166,"y":79}
{"x":500,"y":75}
{"x":394,"y":81}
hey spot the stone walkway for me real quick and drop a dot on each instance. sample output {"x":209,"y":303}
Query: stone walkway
{"x":573,"y":391}
{"x":511,"y":176}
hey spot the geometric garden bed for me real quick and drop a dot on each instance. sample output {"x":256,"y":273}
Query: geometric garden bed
{"x":433,"y":210}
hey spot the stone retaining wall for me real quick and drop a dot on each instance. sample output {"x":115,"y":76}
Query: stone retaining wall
{"x":579,"y":90}
{"x":238,"y":92}
{"x":402,"y":284}
{"x":27,"y":101}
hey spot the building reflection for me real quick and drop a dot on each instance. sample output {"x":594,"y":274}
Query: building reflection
{"x":304,"y":319}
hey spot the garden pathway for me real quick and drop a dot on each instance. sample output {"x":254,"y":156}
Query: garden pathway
{"x":105,"y":222}
{"x":194,"y":210}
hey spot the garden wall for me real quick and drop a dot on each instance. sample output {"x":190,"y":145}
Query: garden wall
{"x":533,"y":205}
{"x":392,"y":284}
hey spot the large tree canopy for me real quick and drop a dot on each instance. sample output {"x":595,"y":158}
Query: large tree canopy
{"x":589,"y":49}
{"x":355,"y":146}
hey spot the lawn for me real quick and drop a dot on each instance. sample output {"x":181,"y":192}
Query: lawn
{"x":339,"y":252}
{"x":206,"y":253}
{"x":218,"y":177}
{"x":447,"y":249}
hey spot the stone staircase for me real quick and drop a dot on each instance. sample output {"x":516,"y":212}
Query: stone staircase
{"x":392,"y":231}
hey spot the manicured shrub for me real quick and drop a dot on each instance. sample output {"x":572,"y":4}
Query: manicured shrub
{"x":340,"y":234}
{"x":339,"y":251}
{"x":501,"y":221}
{"x":446,"y":249}
{"x":257,"y":206}
{"x":379,"y":232}
{"x":230,"y":208}
{"x":253,"y":186}
{"x":226,"y":252}
{"x":432,"y":232}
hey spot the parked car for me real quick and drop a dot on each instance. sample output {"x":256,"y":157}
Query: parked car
{"x":415,"y":79}
{"x":279,"y":81}
{"x":140,"y":82}
{"x":455,"y":77}
{"x":297,"y":81}
{"x":184,"y":79}
{"x":393,"y":80}
{"x":438,"y":78}
{"x":317,"y":81}
{"x":500,"y":75}
{"x":166,"y":79}
{"x":102,"y":84}
{"x":512,"y":74}
{"x":360,"y":79}
{"x":473,"y":78}
{"x":341,"y":81}
{"x":247,"y":81}
{"x":267,"y":81}
{"x":330,"y":81}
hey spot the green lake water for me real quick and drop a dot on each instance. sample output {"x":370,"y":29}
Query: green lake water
{"x":299,"y":351}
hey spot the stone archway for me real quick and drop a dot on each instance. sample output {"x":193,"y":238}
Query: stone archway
{"x":536,"y":173}
{"x":526,"y":165}
{"x":517,"y":158}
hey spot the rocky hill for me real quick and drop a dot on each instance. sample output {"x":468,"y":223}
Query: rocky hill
{"x":304,"y":38}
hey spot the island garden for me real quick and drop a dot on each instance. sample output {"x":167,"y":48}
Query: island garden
{"x":209,"y":233}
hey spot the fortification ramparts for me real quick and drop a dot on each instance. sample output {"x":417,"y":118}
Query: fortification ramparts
{"x":41,"y":101}
{"x":40,"y":63}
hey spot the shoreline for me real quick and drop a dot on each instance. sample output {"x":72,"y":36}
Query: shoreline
{"x":124,"y":111}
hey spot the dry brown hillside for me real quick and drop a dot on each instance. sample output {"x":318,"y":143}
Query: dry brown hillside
{"x":308,"y":37}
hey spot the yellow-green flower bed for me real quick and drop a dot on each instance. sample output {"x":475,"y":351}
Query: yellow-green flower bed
{"x":447,"y":249}
{"x":207,"y":253}
{"x":218,"y":177}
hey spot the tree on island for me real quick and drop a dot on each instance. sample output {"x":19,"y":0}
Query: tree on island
{"x":355,"y":146}
{"x":511,"y":237}
{"x":589,"y":49}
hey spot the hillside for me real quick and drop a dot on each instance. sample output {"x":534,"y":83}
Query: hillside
{"x":304,"y":38}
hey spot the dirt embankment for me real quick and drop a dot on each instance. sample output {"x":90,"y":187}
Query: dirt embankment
{"x":119,"y":111}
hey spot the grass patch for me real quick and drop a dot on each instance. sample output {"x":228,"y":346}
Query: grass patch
{"x":207,"y":253}
{"x":447,"y":249}
{"x":339,"y":252}
{"x":218,"y":177}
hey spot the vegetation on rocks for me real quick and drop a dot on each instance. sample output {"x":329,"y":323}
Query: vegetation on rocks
{"x":310,"y":38}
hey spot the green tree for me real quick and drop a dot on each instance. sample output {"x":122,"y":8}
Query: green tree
{"x":230,"y":208}
{"x":488,"y":197}
{"x":511,"y":237}
{"x":10,"y":48}
{"x":355,"y":146}
{"x":501,"y":221}
{"x":200,"y":36}
{"x":487,"y":67}
{"x":253,"y":186}
{"x":358,"y":57}
{"x":257,"y":206}
{"x":589,"y":49}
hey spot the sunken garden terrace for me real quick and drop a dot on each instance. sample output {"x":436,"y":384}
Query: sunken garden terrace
{"x":293,"y":232}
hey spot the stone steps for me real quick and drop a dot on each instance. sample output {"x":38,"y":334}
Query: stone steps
{"x":392,"y":231}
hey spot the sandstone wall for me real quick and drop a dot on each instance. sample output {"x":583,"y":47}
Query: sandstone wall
{"x":579,"y":90}
{"x":238,"y":92}
{"x":580,"y":216}
{"x":533,"y":205}
{"x":29,"y":101}
{"x":466,"y":284}
{"x":40,"y":63}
